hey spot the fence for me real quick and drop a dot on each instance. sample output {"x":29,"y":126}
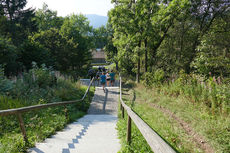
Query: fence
{"x":157,"y":144}
{"x":18,"y":111}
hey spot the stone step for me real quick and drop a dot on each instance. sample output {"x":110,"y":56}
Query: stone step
{"x":93,"y":133}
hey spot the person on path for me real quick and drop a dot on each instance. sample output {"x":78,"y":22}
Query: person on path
{"x":112,"y":78}
{"x":103,"y":79}
{"x":107,"y":78}
{"x":91,"y":73}
{"x":98,"y":74}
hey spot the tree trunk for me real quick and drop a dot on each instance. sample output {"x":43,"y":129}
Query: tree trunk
{"x":138,"y":68}
{"x":146,"y":56}
{"x":117,"y":68}
{"x":138,"y":65}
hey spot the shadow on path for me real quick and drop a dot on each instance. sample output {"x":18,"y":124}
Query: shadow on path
{"x":76,"y":139}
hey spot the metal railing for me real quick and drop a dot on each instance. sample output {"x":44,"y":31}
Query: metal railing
{"x":18,"y":111}
{"x":157,"y":144}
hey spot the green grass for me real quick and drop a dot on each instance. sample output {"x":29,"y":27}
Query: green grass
{"x":43,"y":123}
{"x":215,"y":129}
{"x":138,"y":143}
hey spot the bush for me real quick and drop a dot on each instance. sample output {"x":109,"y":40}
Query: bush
{"x":153,"y":78}
{"x":8,"y":56}
{"x":43,"y":77}
{"x":210,"y":91}
{"x":5,"y":84}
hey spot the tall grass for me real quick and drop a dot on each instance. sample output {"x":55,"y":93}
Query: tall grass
{"x":210,"y":91}
{"x":213,"y":128}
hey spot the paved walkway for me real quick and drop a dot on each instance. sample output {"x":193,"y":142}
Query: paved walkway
{"x":93,"y":133}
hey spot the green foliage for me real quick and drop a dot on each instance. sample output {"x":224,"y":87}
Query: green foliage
{"x":110,"y":49}
{"x":35,"y":88}
{"x":63,"y":43}
{"x":8,"y":56}
{"x":211,"y":92}
{"x":19,"y":20}
{"x":43,"y":78}
{"x":156,"y":77}
{"x":76,"y":29}
{"x":171,"y":35}
{"x":64,"y":54}
{"x":148,"y":79}
{"x":33,"y":52}
{"x":5,"y":84}
{"x":47,"y":18}
{"x":100,"y":36}
{"x":213,"y":54}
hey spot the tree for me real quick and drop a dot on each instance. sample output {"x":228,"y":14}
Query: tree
{"x":57,"y":46}
{"x":165,"y":34}
{"x":213,"y":52}
{"x":8,"y":56}
{"x":33,"y":52}
{"x":76,"y":28}
{"x":182,"y":42}
{"x":126,"y":34}
{"x":110,"y":49}
{"x":100,"y":37}
{"x":19,"y":20}
{"x":142,"y":26}
{"x":203,"y":14}
{"x":47,"y":19}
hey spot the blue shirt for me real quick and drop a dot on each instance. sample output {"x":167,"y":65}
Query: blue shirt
{"x":103,"y":78}
{"x":112,"y":75}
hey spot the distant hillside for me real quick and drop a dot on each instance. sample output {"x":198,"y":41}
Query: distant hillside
{"x":97,"y":20}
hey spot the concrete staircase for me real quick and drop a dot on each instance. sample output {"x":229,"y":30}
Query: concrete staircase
{"x":93,"y":133}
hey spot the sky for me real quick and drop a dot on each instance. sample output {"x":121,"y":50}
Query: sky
{"x":67,"y":7}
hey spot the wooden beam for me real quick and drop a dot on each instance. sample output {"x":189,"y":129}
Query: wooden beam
{"x":129,"y":130}
{"x":123,"y":112}
{"x":22,"y":127}
{"x":157,"y":144}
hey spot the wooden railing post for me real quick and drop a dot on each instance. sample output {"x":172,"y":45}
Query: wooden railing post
{"x":123,"y":111}
{"x":22,"y":127}
{"x":129,"y":129}
{"x":66,"y":112}
{"x":89,"y":94}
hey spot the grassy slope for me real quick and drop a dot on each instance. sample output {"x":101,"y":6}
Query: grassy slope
{"x":214,"y":129}
{"x":40,"y":124}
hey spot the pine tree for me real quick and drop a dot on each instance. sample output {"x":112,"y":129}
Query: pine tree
{"x":19,"y":20}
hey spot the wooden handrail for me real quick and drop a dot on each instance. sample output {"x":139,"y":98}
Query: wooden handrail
{"x":19,"y":111}
{"x":157,"y":144}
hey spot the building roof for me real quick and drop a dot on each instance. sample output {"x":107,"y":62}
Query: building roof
{"x":98,"y":54}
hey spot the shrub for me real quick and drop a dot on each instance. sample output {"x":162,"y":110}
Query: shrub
{"x":43,"y":77}
{"x":156,"y":77}
{"x":214,"y":94}
{"x":5,"y":84}
{"x":148,"y":79}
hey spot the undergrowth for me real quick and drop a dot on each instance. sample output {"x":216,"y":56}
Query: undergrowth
{"x":210,"y":91}
{"x":38,"y":86}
